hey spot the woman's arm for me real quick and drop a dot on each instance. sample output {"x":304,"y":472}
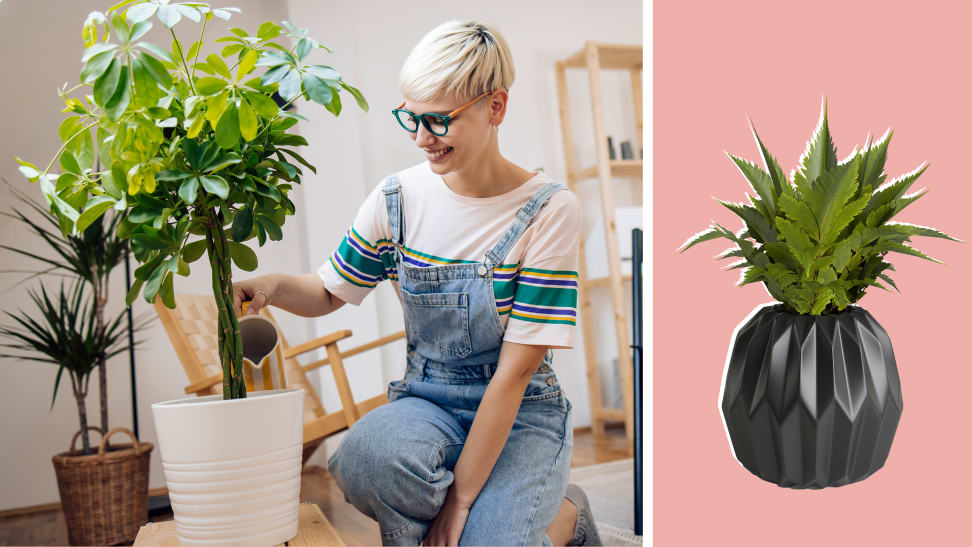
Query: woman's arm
{"x":487,"y":437}
{"x":302,"y":295}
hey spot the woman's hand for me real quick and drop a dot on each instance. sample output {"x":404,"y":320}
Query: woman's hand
{"x":447,"y":527}
{"x":259,"y":291}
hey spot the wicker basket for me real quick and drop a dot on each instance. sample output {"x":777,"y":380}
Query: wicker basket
{"x":104,"y":496}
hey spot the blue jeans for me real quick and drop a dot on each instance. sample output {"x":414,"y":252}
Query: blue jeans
{"x":395,"y":464}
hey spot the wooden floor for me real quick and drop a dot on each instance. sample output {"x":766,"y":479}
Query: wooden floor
{"x":48,"y":528}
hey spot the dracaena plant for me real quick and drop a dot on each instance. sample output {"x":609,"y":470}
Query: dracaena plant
{"x":186,"y":146}
{"x":820,"y":238}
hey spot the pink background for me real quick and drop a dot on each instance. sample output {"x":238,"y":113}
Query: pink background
{"x":879,"y":64}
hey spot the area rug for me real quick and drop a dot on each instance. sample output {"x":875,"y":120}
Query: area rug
{"x":610,"y":489}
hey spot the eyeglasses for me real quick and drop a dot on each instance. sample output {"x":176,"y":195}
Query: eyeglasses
{"x":437,"y":124}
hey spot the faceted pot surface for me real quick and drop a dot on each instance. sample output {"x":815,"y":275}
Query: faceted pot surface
{"x":811,"y":401}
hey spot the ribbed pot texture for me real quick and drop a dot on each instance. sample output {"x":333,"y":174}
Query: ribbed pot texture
{"x":811,"y":401}
{"x":233,"y":467}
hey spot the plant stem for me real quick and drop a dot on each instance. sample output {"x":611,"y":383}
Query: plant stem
{"x":64,"y":145}
{"x":196,"y":58}
{"x":286,"y":104}
{"x":100,"y":301}
{"x":229,"y":340}
{"x":83,"y":416}
{"x":182,"y":56}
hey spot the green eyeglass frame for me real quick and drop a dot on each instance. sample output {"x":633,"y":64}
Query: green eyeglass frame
{"x":439,"y":118}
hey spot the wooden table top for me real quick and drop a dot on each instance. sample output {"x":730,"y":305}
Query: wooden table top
{"x":312,"y":529}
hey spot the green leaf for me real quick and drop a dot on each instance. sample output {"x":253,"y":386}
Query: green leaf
{"x":830,"y":193}
{"x":121,"y":27}
{"x":139,"y":29}
{"x":753,"y":219}
{"x":290,"y":85}
{"x":334,"y":107}
{"x":326,"y":73}
{"x":215,"y":184}
{"x":299,"y":159}
{"x":246,"y":64}
{"x":895,"y":189}
{"x":304,"y":47}
{"x":194,"y":250}
{"x":772,"y":166}
{"x":248,"y":121}
{"x":231,"y":49}
{"x":264,"y":106}
{"x":96,"y":66}
{"x":141,"y":12}
{"x":363,"y":103}
{"x":873,"y":158}
{"x":95,"y":207}
{"x":156,"y":69}
{"x":123,"y":95}
{"x":217,"y":163}
{"x":188,"y":189}
{"x":896,"y":247}
{"x":146,"y":87}
{"x":242,"y":224}
{"x":243,"y":256}
{"x":219,"y":66}
{"x":704,"y":235}
{"x":209,"y":85}
{"x":761,"y":183}
{"x":107,"y":84}
{"x":195,"y":126}
{"x":157,"y":51}
{"x":317,"y":89}
{"x":154,"y":283}
{"x":168,"y":298}
{"x":916,"y":230}
{"x":215,"y":106}
{"x":228,"y":128}
{"x":69,"y":163}
{"x":843,"y":218}
{"x":133,"y":292}
{"x":169,"y":15}
{"x":799,"y":212}
{"x":820,"y":154}
{"x":268,"y":31}
{"x":272,"y":228}
{"x":96,"y":50}
{"x":274,"y":75}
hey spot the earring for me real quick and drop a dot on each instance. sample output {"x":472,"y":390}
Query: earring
{"x":495,"y":128}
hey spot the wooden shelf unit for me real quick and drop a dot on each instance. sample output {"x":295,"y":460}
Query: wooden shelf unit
{"x":595,"y":57}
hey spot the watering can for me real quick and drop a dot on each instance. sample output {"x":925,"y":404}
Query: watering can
{"x":263,"y":355}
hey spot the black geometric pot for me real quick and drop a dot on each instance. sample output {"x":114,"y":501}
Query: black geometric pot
{"x":811,"y":401}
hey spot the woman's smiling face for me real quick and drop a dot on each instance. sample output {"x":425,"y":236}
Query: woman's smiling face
{"x":468,"y":136}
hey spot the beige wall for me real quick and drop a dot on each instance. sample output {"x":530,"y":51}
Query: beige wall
{"x":40,"y":48}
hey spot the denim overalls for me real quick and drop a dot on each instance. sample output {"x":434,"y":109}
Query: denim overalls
{"x":395,"y":464}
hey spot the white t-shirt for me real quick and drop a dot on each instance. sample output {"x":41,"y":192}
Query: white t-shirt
{"x":536,"y":284}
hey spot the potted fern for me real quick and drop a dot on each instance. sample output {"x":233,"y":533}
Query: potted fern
{"x":811,"y":394}
{"x":196,"y":155}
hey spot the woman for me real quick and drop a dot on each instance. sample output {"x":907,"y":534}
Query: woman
{"x":475,"y":444}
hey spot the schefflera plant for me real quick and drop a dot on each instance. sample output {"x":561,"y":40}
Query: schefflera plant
{"x":186,"y":146}
{"x":820,"y":238}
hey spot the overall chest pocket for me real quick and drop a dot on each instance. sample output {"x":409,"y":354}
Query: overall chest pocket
{"x":440,"y":320}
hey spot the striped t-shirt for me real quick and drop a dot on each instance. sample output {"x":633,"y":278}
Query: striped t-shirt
{"x":535,"y":286}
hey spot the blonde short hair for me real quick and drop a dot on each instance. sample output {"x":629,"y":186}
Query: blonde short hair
{"x":457,"y":59}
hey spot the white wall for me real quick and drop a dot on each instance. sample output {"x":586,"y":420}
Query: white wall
{"x":40,"y":44}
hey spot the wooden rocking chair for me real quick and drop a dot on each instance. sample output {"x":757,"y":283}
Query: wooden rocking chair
{"x":191,"y":328}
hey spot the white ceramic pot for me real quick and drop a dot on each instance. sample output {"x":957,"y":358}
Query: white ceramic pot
{"x":233,"y":467}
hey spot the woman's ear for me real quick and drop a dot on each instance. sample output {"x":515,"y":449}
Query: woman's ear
{"x":497,"y":106}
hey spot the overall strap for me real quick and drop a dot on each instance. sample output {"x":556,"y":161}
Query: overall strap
{"x":524,"y":217}
{"x":393,"y":203}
